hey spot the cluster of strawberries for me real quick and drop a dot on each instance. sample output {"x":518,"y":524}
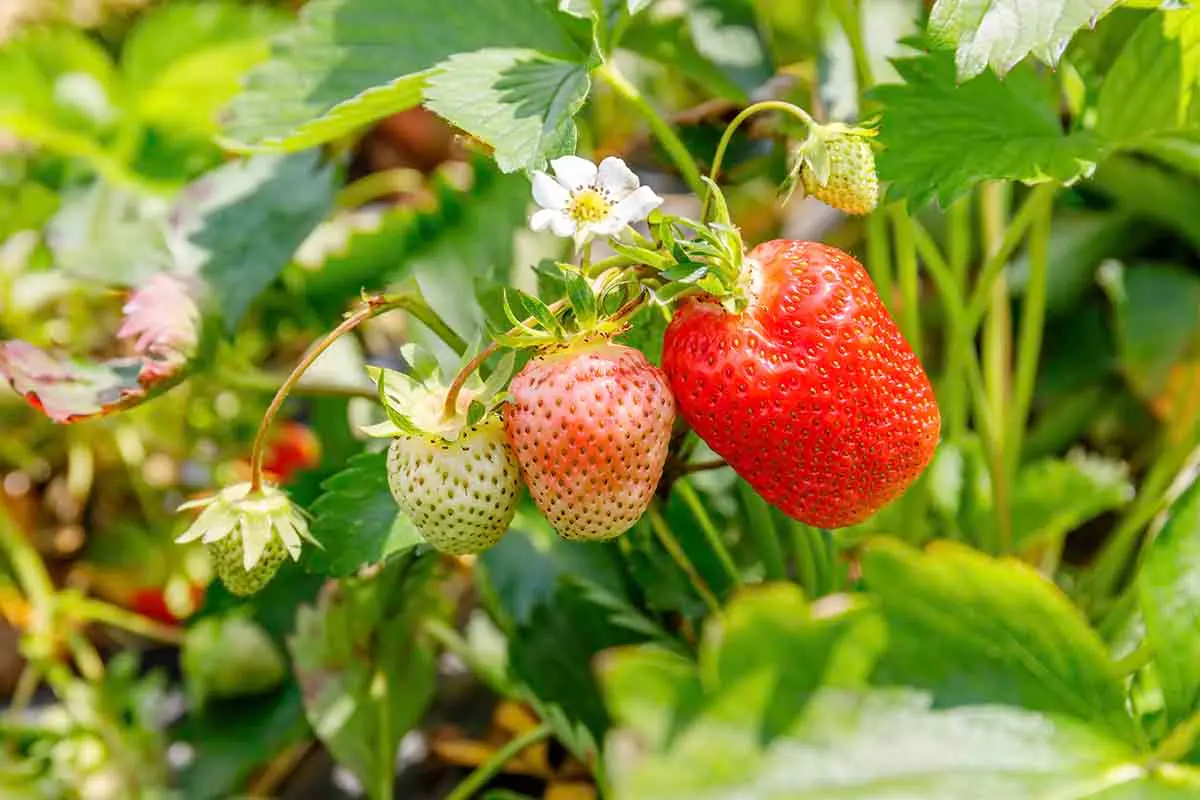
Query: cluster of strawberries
{"x":809,"y":392}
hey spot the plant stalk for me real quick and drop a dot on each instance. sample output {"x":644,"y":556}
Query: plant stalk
{"x":470,"y":787}
{"x":663,"y":531}
{"x":661,"y":128}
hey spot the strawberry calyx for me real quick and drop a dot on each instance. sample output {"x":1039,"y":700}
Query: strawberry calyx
{"x":415,"y":401}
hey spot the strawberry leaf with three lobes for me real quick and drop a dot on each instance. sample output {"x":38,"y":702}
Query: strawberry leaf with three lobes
{"x":940,"y":138}
{"x":1000,"y":33}
{"x":334,"y":72}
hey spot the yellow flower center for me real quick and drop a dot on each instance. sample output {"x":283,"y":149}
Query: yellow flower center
{"x":588,"y":205}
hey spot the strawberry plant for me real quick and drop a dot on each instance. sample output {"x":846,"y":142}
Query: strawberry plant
{"x":600,"y":399}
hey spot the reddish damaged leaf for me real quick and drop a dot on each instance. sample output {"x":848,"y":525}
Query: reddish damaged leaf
{"x":161,"y":324}
{"x":67,"y":391}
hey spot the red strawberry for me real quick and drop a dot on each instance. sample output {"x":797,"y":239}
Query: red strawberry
{"x":590,"y":424}
{"x":811,"y":393}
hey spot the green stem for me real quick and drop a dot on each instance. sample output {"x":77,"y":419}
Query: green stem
{"x":708,"y":528}
{"x":31,"y":574}
{"x":806,"y":565}
{"x":86,"y":609}
{"x":953,"y":383}
{"x":386,"y":788}
{"x":1179,"y":741}
{"x":849,"y":15}
{"x":424,"y":313}
{"x":373,"y":306}
{"x":879,"y":256}
{"x":997,"y":341}
{"x":1033,"y":319}
{"x":378,"y":184}
{"x":452,"y":641}
{"x":663,"y":531}
{"x":27,"y":685}
{"x":731,"y":128}
{"x":997,"y":254}
{"x":958,"y":241}
{"x":906,"y":270}
{"x":470,"y":787}
{"x":662,"y":129}
{"x":762,"y":531}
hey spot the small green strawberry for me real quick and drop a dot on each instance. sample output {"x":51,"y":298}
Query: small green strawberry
{"x":590,"y":423}
{"x":249,"y":533}
{"x":461,"y":494}
{"x":452,"y":475}
{"x":229,"y":656}
{"x":836,"y":165}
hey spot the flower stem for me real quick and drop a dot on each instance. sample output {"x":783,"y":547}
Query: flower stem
{"x":663,"y":531}
{"x":906,"y":269}
{"x":709,"y":529}
{"x":451,"y":406}
{"x":31,"y":574}
{"x":1033,"y":318}
{"x":727,"y":136}
{"x":491,"y":768}
{"x":763,"y":532}
{"x":373,"y":306}
{"x":997,"y":346}
{"x":879,"y":256}
{"x":662,"y":129}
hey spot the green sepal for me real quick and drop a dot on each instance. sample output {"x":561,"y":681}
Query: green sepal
{"x":582,"y":298}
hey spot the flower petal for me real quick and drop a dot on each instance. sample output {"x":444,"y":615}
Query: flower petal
{"x":256,"y":532}
{"x":559,"y":223}
{"x":583,"y":235}
{"x":549,"y":193}
{"x":574,"y":172}
{"x":636,"y":206}
{"x":286,"y":530}
{"x":617,"y":178}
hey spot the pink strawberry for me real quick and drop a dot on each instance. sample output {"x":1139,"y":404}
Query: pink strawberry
{"x":590,"y":423}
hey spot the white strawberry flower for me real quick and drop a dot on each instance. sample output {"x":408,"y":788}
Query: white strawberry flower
{"x":256,"y":517}
{"x":583,"y":200}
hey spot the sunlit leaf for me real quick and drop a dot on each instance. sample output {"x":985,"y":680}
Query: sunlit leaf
{"x":976,"y":630}
{"x":999,"y":33}
{"x":333,"y":72}
{"x":941,"y":138}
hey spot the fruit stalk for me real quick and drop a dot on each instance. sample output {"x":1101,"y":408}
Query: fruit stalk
{"x":997,"y":354}
{"x":373,"y":306}
{"x":658,"y":523}
{"x":727,"y":137}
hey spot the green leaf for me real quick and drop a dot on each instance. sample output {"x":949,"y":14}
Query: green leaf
{"x":696,"y":731}
{"x":1052,"y":497}
{"x":941,"y":138}
{"x":1000,"y":33}
{"x":773,"y":628}
{"x":883,"y":745}
{"x":1150,"y":87}
{"x":974,"y":630}
{"x":59,"y":91}
{"x":249,"y":218}
{"x":1152,"y":192}
{"x":182,"y":63}
{"x":357,"y":521}
{"x":520,"y":102}
{"x":333,"y":72}
{"x":1169,"y":586}
{"x":366,"y":672}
